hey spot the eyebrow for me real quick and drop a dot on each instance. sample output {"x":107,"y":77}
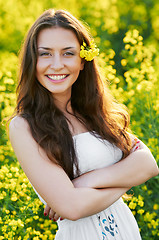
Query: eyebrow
{"x":46,"y":48}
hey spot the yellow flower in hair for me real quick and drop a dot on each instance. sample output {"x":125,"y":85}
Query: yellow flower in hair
{"x":89,"y":52}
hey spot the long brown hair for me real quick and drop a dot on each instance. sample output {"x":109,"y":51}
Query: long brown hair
{"x":90,"y":100}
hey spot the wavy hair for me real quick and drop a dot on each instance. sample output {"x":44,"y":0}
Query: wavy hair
{"x":91,"y":100}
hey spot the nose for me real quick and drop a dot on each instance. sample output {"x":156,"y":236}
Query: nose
{"x":56,"y":62}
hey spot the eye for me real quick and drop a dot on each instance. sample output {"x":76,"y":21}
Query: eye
{"x":69,"y":54}
{"x":44,"y":54}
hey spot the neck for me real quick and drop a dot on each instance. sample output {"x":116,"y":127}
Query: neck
{"x":64,"y":104}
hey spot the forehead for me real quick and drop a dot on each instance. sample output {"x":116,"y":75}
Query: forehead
{"x":57,"y":37}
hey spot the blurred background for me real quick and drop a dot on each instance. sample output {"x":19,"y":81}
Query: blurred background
{"x":127,"y":34}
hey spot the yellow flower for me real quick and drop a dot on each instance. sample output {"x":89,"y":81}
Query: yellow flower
{"x":154,"y":224}
{"x":132,"y":205}
{"x":4,"y":169}
{"x":2,"y":195}
{"x":155,"y":206}
{"x":84,"y":44}
{"x":144,"y":188}
{"x":14,"y":228}
{"x":149,"y":225}
{"x":149,"y":192}
{"x":20,"y":223}
{"x":134,"y":212}
{"x":9,"y":175}
{"x":140,"y":203}
{"x":48,"y":232}
{"x":89,"y":52}
{"x":14,"y":169}
{"x":140,"y":38}
{"x":14,"y":197}
{"x":123,"y":62}
{"x":8,"y":81}
{"x":135,"y":33}
{"x":28,"y":229}
{"x":35,"y":217}
{"x":82,"y":53}
{"x":140,"y":198}
{"x":36,"y":232}
{"x":140,"y":211}
{"x":3,"y":88}
{"x":148,"y":217}
{"x":1,"y":220}
{"x":44,"y":237}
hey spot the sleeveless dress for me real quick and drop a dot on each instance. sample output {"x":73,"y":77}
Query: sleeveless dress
{"x":114,"y":223}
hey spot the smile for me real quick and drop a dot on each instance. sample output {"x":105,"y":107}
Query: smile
{"x":57,"y":77}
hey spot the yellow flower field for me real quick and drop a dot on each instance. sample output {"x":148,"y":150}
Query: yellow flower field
{"x":127,"y":34}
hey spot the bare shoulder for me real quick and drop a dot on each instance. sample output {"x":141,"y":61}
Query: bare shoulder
{"x":19,"y":129}
{"x":18,"y":125}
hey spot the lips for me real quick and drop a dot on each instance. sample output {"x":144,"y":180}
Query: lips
{"x":57,"y":77}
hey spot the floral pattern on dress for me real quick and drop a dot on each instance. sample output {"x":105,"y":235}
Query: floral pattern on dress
{"x":109,"y":226}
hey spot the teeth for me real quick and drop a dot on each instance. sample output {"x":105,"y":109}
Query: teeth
{"x":56,"y":77}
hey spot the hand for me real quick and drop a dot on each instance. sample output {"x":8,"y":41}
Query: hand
{"x":136,"y":144}
{"x":52,"y":215}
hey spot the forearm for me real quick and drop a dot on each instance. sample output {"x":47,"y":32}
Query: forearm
{"x":134,"y":170}
{"x":88,"y":201}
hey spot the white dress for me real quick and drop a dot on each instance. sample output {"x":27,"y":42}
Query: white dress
{"x":114,"y":223}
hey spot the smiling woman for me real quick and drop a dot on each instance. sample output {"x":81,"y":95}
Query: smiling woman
{"x":59,"y":62}
{"x":70,"y":136}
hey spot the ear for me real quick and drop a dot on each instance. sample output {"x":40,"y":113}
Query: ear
{"x":82,"y":64}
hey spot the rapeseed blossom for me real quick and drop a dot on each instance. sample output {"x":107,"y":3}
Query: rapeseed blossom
{"x":89,"y":52}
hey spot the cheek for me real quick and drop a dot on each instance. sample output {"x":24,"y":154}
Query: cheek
{"x":42,"y":64}
{"x":75,"y":66}
{"x":38,"y":67}
{"x":39,"y":71}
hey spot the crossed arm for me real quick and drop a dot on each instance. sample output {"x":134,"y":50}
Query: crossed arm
{"x":134,"y":170}
{"x":86,"y":195}
{"x":117,"y":179}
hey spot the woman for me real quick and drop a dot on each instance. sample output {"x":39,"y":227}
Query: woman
{"x":69,"y":135}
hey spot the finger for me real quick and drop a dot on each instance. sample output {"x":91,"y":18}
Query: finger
{"x":46,"y":210}
{"x":56,"y":217}
{"x":51,"y":214}
{"x":136,"y":147}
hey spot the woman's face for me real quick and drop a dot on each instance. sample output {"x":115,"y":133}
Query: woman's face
{"x":58,"y":62}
